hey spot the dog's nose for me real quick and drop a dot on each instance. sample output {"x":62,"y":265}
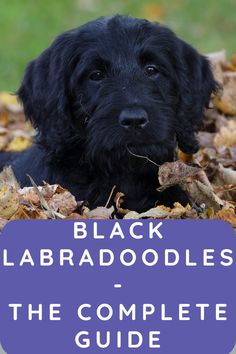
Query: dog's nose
{"x":133,"y":118}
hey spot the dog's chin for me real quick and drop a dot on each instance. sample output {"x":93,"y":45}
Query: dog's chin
{"x":130,"y":155}
{"x":158,"y":152}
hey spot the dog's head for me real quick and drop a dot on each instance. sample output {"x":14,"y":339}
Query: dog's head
{"x":115,"y":85}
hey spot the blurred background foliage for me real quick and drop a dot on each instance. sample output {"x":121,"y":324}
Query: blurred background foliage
{"x":28,"y":26}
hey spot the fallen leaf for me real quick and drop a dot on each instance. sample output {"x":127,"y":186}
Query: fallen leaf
{"x":4,"y":117}
{"x":206,"y":139}
{"x":179,"y":211}
{"x":18,"y":143}
{"x":225,"y":176}
{"x":172,"y":173}
{"x":201,"y":194}
{"x":47,"y":191}
{"x":216,"y":60}
{"x":24,"y":212}
{"x":9,"y":201}
{"x":10,"y":101}
{"x":75,"y":216}
{"x":226,"y":136}
{"x":132,"y":215}
{"x":29,"y":195}
{"x":42,"y":200}
{"x":7,"y":176}
{"x":229,"y":67}
{"x":4,"y":139}
{"x":227,"y":215}
{"x":233,"y":60}
{"x":227,"y":102}
{"x":99,"y":213}
{"x":154,"y":213}
{"x":226,"y":192}
{"x":118,"y":201}
{"x":64,"y":203}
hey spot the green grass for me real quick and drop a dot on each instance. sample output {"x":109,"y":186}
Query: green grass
{"x":28,"y":26}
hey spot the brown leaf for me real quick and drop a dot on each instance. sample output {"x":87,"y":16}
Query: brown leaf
{"x":75,"y":216}
{"x":233,"y":60}
{"x":227,"y":215}
{"x":119,"y":200}
{"x":4,"y":138}
{"x":25,"y":212}
{"x":48,"y":190}
{"x":229,"y":67}
{"x":226,"y":192}
{"x":171,"y":173}
{"x":29,"y":195}
{"x":64,"y":203}
{"x":38,"y":192}
{"x":202,"y":194}
{"x":4,"y":117}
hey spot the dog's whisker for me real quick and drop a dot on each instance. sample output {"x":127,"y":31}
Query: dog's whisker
{"x":142,"y":157}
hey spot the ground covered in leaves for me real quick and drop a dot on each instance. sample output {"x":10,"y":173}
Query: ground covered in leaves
{"x":209,"y":176}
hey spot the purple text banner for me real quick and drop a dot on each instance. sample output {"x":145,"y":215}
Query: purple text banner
{"x":117,"y":286}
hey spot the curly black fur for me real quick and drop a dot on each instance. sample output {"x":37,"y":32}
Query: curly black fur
{"x":112,"y":88}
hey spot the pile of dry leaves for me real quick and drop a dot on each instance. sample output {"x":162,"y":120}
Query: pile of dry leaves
{"x":209,"y":177}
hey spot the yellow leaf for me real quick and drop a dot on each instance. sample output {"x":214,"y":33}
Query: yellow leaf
{"x":7,"y":98}
{"x":9,"y":201}
{"x":227,"y":215}
{"x":10,"y":102}
{"x":19,"y":143}
{"x":226,"y":136}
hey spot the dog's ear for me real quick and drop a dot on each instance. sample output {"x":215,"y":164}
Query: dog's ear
{"x":44,"y":91}
{"x":196,"y":84}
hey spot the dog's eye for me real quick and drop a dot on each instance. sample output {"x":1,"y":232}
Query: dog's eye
{"x":151,"y":70}
{"x":97,"y":75}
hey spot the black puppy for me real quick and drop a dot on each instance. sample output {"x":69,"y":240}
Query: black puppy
{"x":99,"y":95}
